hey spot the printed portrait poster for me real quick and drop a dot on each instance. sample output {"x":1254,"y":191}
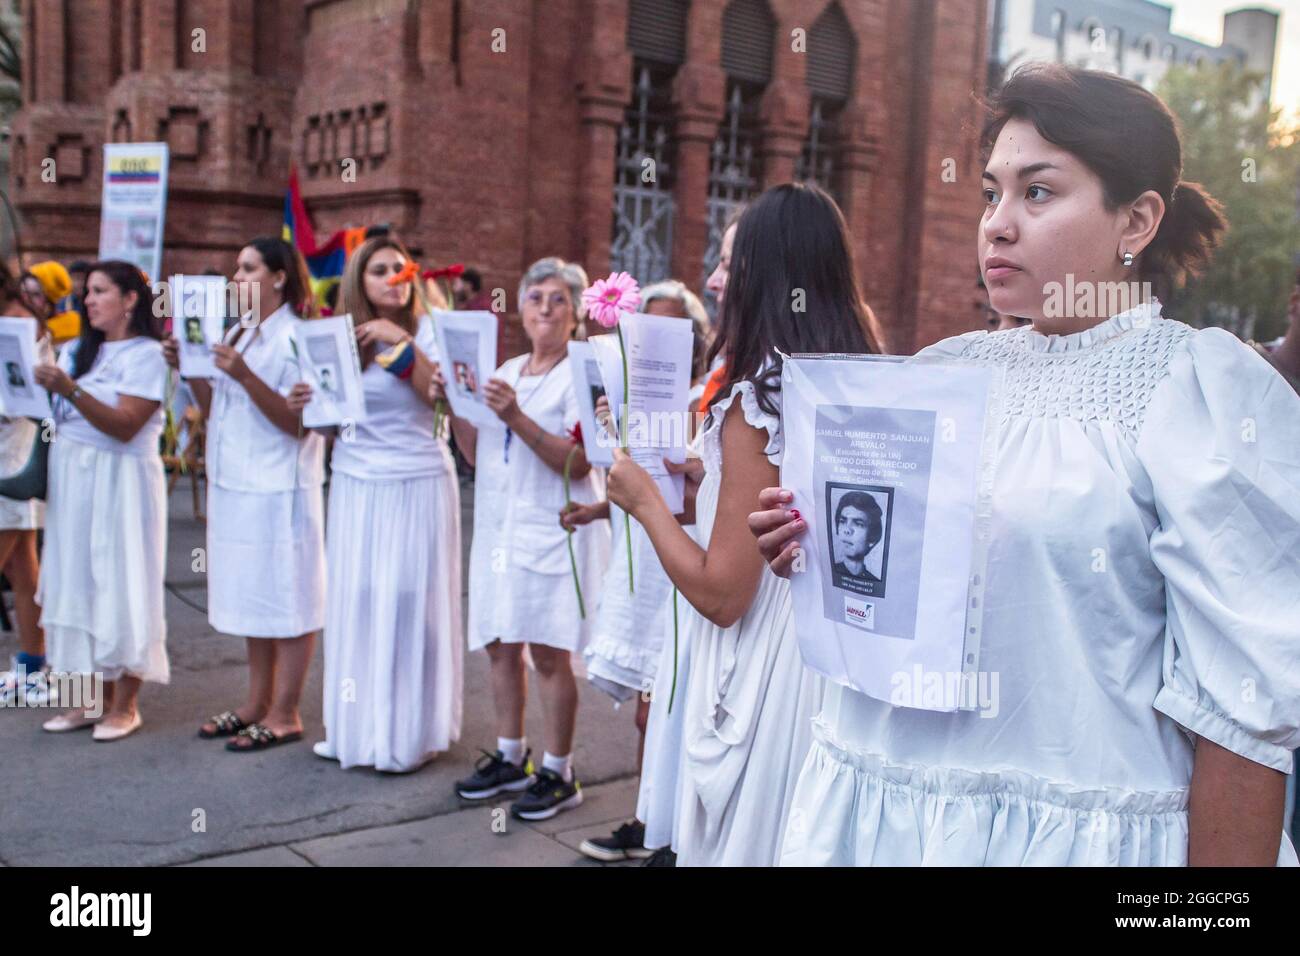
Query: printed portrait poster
{"x":198,"y":321}
{"x":889,"y":462}
{"x":329,"y":361}
{"x":589,"y":387}
{"x":20,"y":396}
{"x":467,"y":357}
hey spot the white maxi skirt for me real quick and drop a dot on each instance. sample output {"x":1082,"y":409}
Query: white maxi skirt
{"x":266,"y":561}
{"x":393,"y":645}
{"x":102,"y":565}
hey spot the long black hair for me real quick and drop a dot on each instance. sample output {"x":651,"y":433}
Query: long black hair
{"x":791,"y":286}
{"x":127,"y":278}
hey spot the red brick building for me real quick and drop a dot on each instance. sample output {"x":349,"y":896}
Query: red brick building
{"x":493,"y":132}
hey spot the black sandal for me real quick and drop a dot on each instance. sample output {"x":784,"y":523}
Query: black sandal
{"x":228,"y":723}
{"x":261,"y":738}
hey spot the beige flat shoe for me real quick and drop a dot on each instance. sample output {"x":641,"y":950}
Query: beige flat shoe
{"x":72,"y":720}
{"x":104,"y":731}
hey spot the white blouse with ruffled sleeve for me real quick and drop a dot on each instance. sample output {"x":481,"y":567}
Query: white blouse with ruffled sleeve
{"x":1143,"y":590}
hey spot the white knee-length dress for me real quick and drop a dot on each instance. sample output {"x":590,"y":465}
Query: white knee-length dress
{"x":393,"y":645}
{"x":1143,"y":585}
{"x":266,"y":513}
{"x":102,"y":564}
{"x":747,"y":700}
{"x":520,"y":579}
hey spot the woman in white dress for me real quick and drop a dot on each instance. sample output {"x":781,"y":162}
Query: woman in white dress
{"x":266,"y":549}
{"x":101,"y":585}
{"x":393,"y":608}
{"x":631,"y":624}
{"x":520,"y":581}
{"x":1143,"y":581}
{"x":747,"y":700}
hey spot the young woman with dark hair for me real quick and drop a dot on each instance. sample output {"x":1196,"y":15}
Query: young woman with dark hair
{"x":101,"y":584}
{"x":747,"y":700}
{"x":266,"y":547}
{"x":1142,"y":589}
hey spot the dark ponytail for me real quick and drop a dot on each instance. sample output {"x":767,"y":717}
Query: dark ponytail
{"x":128,"y":279}
{"x":1192,"y":228}
{"x":279,"y":256}
{"x":1129,"y":138}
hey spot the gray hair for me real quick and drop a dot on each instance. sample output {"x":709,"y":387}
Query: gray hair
{"x":675,"y":289}
{"x":571,"y":274}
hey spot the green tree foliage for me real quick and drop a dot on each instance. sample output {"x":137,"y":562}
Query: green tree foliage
{"x":1239,"y":149}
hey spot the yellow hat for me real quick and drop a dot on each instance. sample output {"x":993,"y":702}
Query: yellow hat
{"x":56,"y":283}
{"x":54,"y":279}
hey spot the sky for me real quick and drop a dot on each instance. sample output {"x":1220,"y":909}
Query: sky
{"x":1203,"y":20}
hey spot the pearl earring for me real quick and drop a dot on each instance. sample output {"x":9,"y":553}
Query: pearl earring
{"x":1128,"y":259}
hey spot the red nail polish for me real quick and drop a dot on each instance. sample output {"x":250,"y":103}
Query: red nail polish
{"x":795,"y":513}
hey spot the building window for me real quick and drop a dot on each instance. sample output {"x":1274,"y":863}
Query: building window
{"x":642,"y":229}
{"x":735,"y":173}
{"x":831,"y":53}
{"x":1149,"y":48}
{"x":1170,"y":53}
{"x":643,"y":191}
{"x":1058,"y":32}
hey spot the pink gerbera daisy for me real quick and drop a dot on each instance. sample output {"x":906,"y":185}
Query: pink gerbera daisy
{"x":608,"y":297}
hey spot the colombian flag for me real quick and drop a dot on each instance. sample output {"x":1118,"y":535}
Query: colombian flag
{"x":324,"y":262}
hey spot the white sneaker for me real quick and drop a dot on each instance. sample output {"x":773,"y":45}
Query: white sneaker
{"x":323,"y":749}
{"x":20,"y":687}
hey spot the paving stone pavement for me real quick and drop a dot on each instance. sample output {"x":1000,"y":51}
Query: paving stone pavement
{"x":162,"y":796}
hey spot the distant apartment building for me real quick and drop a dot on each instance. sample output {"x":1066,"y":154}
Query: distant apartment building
{"x":1128,"y":37}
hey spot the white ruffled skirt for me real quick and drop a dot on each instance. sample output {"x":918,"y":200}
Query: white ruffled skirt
{"x":857,"y":809}
{"x":393,"y":645}
{"x":623,"y":654}
{"x":103,"y":561}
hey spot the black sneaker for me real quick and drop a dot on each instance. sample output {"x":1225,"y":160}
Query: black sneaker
{"x":493,"y":774}
{"x":625,"y":843}
{"x":547,"y":796}
{"x":664,"y":856}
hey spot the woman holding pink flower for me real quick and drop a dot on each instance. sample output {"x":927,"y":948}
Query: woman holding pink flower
{"x":521,"y":578}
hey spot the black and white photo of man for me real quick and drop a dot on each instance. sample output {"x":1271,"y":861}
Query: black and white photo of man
{"x":857,"y":529}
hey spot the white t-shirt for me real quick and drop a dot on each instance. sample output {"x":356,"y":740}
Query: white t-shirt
{"x":132,"y":366}
{"x":246,"y":451}
{"x":396,"y":440}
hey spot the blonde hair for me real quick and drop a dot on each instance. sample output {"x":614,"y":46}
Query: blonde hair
{"x":352,"y":288}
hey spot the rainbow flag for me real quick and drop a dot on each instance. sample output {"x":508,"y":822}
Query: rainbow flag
{"x":324,"y":262}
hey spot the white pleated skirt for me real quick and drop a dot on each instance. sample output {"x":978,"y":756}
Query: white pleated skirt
{"x":266,"y":562}
{"x":623,"y":653}
{"x":393,"y":645}
{"x":102,"y":565}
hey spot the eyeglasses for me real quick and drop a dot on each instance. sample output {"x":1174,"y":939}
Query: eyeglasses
{"x":558,"y":300}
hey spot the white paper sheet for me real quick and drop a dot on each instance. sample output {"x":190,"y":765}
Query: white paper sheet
{"x":331,"y":365}
{"x":589,"y":386}
{"x":659,"y":353}
{"x":198,"y":321}
{"x":467,"y":357}
{"x":20,"y":396}
{"x":890,"y":464}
